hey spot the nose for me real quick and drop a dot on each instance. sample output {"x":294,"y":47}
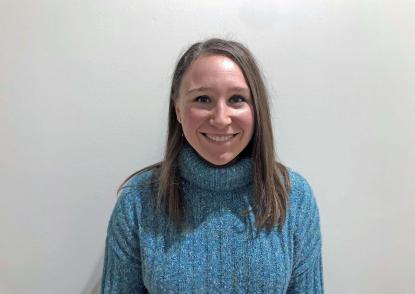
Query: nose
{"x":220,"y":115}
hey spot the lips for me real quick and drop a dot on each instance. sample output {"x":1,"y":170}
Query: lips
{"x":219,"y":138}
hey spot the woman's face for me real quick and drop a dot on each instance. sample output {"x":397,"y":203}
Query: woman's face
{"x":215,"y":108}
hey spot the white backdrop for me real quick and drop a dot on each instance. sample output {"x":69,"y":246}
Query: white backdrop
{"x":83,"y":103}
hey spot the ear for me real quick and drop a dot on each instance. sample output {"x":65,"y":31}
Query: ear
{"x":178,"y":113}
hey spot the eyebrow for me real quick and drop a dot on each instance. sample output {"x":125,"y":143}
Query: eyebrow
{"x":202,"y":89}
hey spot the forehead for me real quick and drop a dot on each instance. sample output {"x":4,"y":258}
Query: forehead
{"x":213,"y":63}
{"x":214,"y":69}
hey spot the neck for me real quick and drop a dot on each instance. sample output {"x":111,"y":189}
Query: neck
{"x":231,"y":176}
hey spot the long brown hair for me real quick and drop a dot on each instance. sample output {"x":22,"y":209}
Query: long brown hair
{"x":271,"y":179}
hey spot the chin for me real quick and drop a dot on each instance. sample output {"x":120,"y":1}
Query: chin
{"x":219,"y":161}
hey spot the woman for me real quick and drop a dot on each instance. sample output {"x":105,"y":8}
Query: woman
{"x":218,"y":214}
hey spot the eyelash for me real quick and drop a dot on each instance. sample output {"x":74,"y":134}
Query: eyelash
{"x":239,"y":97}
{"x":206,"y":99}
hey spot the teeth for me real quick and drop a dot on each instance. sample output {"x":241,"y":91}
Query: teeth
{"x":219,"y":138}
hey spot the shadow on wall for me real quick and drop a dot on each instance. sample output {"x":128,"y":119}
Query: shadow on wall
{"x":93,"y":286}
{"x":97,"y":287}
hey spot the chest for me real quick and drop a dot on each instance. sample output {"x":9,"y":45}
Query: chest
{"x":220,"y":253}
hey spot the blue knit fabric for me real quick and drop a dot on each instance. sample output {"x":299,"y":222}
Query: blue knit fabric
{"x":219,"y":251}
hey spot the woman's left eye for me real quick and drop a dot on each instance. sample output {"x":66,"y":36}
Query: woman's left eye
{"x":237,"y":99}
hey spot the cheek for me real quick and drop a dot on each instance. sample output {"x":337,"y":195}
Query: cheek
{"x":194,"y":117}
{"x":246,"y":120}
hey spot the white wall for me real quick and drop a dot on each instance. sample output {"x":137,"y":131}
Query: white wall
{"x":83,"y":103}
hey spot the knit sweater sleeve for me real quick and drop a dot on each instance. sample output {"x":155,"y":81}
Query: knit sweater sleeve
{"x":122,"y":264}
{"x":307,"y":274}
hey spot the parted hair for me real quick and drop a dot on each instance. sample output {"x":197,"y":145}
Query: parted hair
{"x":270,"y":177}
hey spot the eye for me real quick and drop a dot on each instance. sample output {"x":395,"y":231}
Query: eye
{"x":237,"y":99}
{"x":202,"y":99}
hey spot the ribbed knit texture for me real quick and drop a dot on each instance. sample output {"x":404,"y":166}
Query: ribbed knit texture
{"x":220,"y":251}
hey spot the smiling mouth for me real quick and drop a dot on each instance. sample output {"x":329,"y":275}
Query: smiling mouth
{"x":219,"y":138}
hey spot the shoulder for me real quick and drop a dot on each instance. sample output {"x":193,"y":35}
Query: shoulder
{"x":142,"y":178}
{"x":134,"y":189}
{"x":302,"y":201}
{"x":300,"y":188}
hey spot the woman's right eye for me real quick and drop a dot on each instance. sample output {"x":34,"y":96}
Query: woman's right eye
{"x":202,"y":99}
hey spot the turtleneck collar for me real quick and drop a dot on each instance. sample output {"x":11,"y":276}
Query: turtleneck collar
{"x":194,"y":169}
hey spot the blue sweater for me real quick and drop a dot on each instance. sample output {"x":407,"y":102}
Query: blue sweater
{"x":220,"y":251}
